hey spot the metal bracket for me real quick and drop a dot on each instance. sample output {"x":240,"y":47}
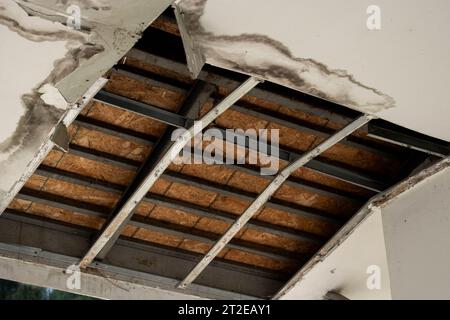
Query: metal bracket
{"x":194,"y":56}
{"x":61,"y":137}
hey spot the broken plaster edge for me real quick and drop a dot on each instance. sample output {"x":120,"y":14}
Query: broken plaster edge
{"x":194,"y":57}
{"x":38,"y":267}
{"x":282,"y":67}
{"x":115,"y":38}
{"x":69,"y":116}
{"x":374,"y":205}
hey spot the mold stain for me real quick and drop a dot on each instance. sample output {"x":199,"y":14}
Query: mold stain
{"x":270,"y":59}
{"x":39,"y":117}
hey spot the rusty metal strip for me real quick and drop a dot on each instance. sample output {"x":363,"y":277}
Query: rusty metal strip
{"x":259,"y":202}
{"x":371,"y":207}
{"x":127,"y":209}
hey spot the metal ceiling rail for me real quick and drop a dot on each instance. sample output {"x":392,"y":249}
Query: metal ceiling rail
{"x":127,"y":134}
{"x":396,"y":134}
{"x":171,"y":263}
{"x":380,"y":130}
{"x":104,"y":281}
{"x":259,"y":202}
{"x":354,"y":177}
{"x":154,"y":225}
{"x":207,"y":185}
{"x":305,"y":212}
{"x":219,"y":80}
{"x":351,"y":176}
{"x":180,"y":205}
{"x":399,"y":136}
{"x":262,"y":113}
{"x":138,"y":107}
{"x":197,"y":97}
{"x":305,"y":185}
{"x":119,"y":220}
{"x":115,"y":131}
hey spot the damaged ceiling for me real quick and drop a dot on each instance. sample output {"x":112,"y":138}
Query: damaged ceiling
{"x":324,"y":48}
{"x":65,"y":63}
{"x":113,"y":137}
{"x":395,"y":232}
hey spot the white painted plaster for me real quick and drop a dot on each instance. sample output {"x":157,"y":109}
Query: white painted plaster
{"x":17,"y":79}
{"x":52,"y":96}
{"x":345,"y":269}
{"x":417,"y":236}
{"x":407,"y":59}
{"x":38,"y":273}
{"x":34,"y":62}
{"x":37,"y":60}
{"x":405,"y":232}
{"x":24,"y":64}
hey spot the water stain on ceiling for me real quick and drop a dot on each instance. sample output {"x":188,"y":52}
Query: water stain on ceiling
{"x":262,"y":56}
{"x":58,"y":66}
{"x":38,"y":114}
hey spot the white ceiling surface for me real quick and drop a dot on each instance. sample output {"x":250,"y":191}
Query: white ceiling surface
{"x":405,"y":235}
{"x":416,"y":231}
{"x":408,"y":59}
{"x":16,"y":78}
{"x":345,"y":270}
{"x":37,"y":56}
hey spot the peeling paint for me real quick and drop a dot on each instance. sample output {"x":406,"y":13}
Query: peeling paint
{"x":268,"y":58}
{"x":51,"y":96}
{"x":44,"y":105}
{"x":411,"y":182}
{"x":62,"y":64}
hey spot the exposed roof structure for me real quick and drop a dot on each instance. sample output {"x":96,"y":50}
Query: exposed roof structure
{"x":175,"y":155}
{"x":120,"y":136}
